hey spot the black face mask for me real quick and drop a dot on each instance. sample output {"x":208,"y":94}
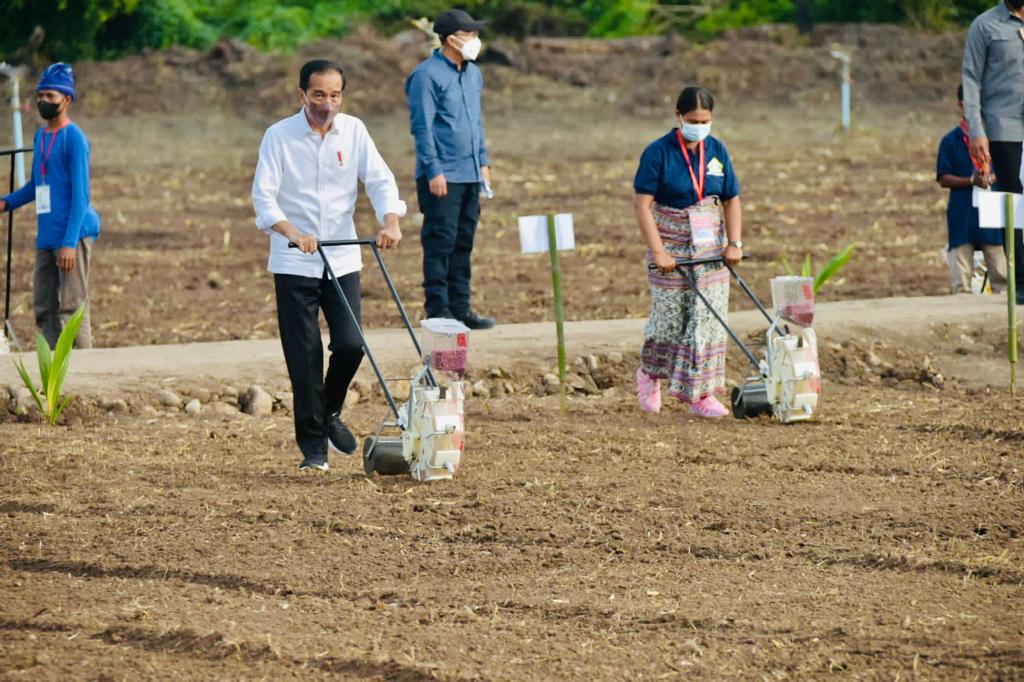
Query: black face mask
{"x":47,"y":110}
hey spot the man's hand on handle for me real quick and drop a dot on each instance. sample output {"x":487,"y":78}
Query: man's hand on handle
{"x":391,"y":235}
{"x":306,"y":243}
{"x":439,"y":186}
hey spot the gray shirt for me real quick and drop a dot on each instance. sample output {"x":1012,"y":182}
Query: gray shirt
{"x":993,"y":76}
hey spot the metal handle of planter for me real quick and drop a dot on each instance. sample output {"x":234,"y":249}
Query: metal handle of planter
{"x":372,"y":243}
{"x":8,"y":328}
{"x":713,"y":260}
{"x":681,"y":263}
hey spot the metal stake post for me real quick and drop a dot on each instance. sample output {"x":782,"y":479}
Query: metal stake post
{"x":14,"y":73}
{"x":844,"y":58}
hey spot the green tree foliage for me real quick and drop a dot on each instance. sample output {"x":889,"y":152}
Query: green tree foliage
{"x":72,"y":26}
{"x":80,"y":29}
{"x":929,"y":14}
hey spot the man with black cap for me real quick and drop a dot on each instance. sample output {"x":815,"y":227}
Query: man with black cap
{"x":451,"y":164}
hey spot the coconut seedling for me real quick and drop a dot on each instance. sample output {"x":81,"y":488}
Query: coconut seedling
{"x":53,"y":369}
{"x":826,"y":273}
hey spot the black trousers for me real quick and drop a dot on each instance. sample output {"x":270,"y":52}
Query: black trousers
{"x":449,"y":226}
{"x":299,"y":302}
{"x":1006,"y":160}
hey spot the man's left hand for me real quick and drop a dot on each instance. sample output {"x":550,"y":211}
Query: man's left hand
{"x":390,"y":236}
{"x":66,"y":259}
{"x":485,"y":173}
{"x":733,"y":255}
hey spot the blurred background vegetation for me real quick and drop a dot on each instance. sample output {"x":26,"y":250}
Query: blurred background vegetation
{"x":105,"y":29}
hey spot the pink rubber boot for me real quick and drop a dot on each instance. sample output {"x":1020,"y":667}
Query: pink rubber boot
{"x":648,"y":390}
{"x":709,"y":408}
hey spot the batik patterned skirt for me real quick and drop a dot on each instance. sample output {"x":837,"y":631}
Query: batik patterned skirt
{"x":683,"y":342}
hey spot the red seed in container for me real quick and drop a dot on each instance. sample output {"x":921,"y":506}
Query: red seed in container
{"x":455,"y":360}
{"x":799,"y":313}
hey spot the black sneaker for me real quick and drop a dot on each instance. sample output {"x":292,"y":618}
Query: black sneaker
{"x":474,"y":321}
{"x":339,"y":437}
{"x":319,"y":463}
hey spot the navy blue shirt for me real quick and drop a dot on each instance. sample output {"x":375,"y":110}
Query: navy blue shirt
{"x":447,"y":119}
{"x":961,"y":216}
{"x":664,"y":173}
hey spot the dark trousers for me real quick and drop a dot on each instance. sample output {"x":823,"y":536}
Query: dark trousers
{"x":1006,"y":159}
{"x":449,"y":225}
{"x":299,"y":301}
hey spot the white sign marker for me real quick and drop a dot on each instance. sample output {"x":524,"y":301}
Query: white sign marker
{"x":533,"y":233}
{"x":992,"y":209}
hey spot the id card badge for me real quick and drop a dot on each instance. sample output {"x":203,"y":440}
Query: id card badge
{"x":703,"y":229}
{"x":42,"y":199}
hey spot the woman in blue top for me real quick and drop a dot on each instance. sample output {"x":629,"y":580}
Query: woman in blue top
{"x":67,"y":224}
{"x":685,"y":185}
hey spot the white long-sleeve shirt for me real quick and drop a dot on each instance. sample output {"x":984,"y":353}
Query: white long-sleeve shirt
{"x":313,"y":183}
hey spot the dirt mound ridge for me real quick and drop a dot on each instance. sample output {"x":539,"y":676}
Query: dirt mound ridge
{"x":770,"y":63}
{"x":236,"y":78}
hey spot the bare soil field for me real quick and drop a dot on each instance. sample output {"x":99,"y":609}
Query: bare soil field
{"x":883,"y":540}
{"x":603,"y":546}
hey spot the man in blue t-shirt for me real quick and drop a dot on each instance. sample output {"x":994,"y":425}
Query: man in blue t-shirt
{"x":957,"y":172}
{"x":67,"y":223}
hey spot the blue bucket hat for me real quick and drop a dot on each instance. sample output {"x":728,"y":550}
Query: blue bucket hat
{"x":58,"y":77}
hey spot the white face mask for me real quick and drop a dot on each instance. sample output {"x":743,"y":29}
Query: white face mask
{"x":471,"y":48}
{"x":695,"y":132}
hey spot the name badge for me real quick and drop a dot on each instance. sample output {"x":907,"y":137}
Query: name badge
{"x":704,"y":229}
{"x":42,"y":199}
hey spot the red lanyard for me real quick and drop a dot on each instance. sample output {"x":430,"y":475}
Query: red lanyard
{"x":967,"y":143}
{"x":46,"y":157}
{"x":698,"y":186}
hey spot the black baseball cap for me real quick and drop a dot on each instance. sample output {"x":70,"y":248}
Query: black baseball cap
{"x":455,"y":20}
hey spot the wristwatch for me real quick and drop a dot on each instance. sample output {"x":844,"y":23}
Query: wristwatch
{"x":737,"y":243}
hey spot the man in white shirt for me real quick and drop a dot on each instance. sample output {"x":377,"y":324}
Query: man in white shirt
{"x":305,"y":191}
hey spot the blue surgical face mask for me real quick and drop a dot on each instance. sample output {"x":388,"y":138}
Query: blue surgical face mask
{"x":695,"y":132}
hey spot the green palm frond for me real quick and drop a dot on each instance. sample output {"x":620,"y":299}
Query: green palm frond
{"x":833,"y":266}
{"x":53,"y":369}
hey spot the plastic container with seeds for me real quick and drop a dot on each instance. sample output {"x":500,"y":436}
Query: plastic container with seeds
{"x":793,"y":299}
{"x":446,"y":345}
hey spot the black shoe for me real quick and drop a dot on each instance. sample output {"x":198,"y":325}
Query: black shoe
{"x":474,"y":321}
{"x":339,"y":437}
{"x":319,"y":463}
